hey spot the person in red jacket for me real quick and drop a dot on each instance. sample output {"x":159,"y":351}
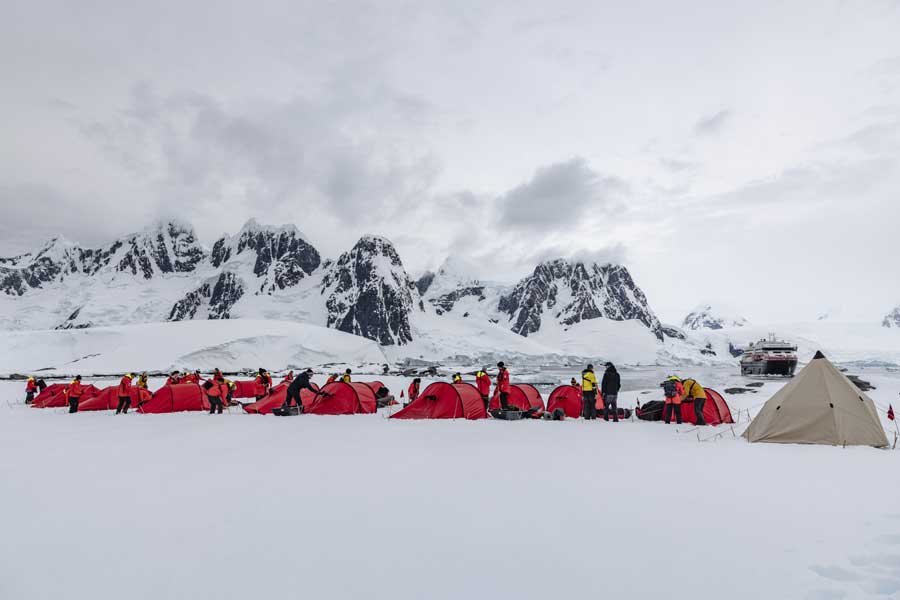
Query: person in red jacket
{"x":124,"y":394}
{"x":193,"y":377}
{"x":263,"y":384}
{"x":483,"y":383}
{"x":30,"y":390}
{"x":503,"y":385}
{"x":174,"y":378}
{"x":289,"y":377}
{"x":213,"y":387}
{"x":413,"y":390}
{"x":73,"y":394}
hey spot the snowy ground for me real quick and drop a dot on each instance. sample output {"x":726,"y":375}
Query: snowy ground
{"x":245,"y":506}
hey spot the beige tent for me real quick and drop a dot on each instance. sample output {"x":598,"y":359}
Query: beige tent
{"x":819,"y":406}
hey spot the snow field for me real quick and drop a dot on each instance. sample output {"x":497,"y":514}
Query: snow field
{"x":192,"y":506}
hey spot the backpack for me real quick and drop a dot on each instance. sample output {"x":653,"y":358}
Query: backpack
{"x":207,"y":385}
{"x":669,"y":388}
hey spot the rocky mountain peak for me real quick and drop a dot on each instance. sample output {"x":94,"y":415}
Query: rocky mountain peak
{"x":569,"y":292}
{"x":705,"y":316}
{"x":280,"y":256}
{"x":369,"y":293}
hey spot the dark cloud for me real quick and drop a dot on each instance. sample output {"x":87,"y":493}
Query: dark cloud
{"x":714,"y":123}
{"x":560,"y":194}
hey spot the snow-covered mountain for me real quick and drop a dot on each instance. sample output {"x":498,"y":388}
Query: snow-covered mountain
{"x":369,"y":293}
{"x":892,"y":319}
{"x":274,"y":273}
{"x":706,"y":316}
{"x":565,"y":293}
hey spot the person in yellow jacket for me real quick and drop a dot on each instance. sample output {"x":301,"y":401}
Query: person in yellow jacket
{"x":589,"y":393}
{"x":695,"y":393}
{"x":346,"y":378}
{"x":457,"y":378}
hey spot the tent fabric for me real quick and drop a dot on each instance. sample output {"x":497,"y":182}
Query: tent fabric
{"x":568,"y":398}
{"x":523,"y":396}
{"x":343,"y":399}
{"x":715,"y":410}
{"x":442,"y":400}
{"x":277,"y":398}
{"x":108,"y":399}
{"x":176,"y":398}
{"x":244,"y":389}
{"x":53,"y":396}
{"x":819,"y":406}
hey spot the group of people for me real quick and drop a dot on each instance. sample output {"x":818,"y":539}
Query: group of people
{"x":677,"y":391}
{"x":220,"y":391}
{"x":609,"y":387}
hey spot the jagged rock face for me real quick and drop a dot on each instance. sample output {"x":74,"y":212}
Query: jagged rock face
{"x":217,"y":296}
{"x":575,"y":292}
{"x":445,"y":302}
{"x":705,"y":317}
{"x":424,"y":282}
{"x":673,"y":332}
{"x":168,"y":249}
{"x":283,"y":257}
{"x":369,"y":293}
{"x":892,"y":319}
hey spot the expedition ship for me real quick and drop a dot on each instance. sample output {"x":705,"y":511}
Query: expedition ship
{"x":769,"y":357}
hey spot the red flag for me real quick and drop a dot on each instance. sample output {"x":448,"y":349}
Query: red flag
{"x":890,"y":412}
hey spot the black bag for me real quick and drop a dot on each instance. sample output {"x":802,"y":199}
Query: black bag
{"x":669,"y":388}
{"x":207,"y":385}
{"x":651,"y":411}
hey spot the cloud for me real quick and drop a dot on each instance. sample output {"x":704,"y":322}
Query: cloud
{"x":714,"y":123}
{"x":349,"y":154}
{"x":560,"y":194}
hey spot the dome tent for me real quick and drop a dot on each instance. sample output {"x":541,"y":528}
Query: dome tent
{"x":340,"y":398}
{"x":108,"y":399}
{"x":568,"y":398}
{"x":176,"y":398}
{"x":277,"y":398}
{"x":54,"y":397}
{"x":442,"y":400}
{"x":819,"y":406}
{"x":523,"y":396}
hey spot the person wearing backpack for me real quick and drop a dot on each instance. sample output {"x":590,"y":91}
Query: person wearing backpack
{"x":483,"y":383}
{"x":589,"y":393}
{"x":609,"y":389}
{"x":502,"y":385}
{"x":674,"y":392}
{"x":693,"y":391}
{"x":213,"y":390}
{"x":124,"y":392}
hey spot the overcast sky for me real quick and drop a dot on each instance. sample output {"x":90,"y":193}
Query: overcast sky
{"x":741,"y":153}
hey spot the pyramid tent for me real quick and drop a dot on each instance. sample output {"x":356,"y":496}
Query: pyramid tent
{"x":442,"y":400}
{"x":819,"y":406}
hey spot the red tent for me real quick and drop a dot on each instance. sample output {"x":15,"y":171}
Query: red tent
{"x":108,"y":399}
{"x":715,"y":411}
{"x":523,"y":396}
{"x":53,"y":396}
{"x":443,"y":400}
{"x":343,"y":399}
{"x":568,"y":397}
{"x":277,"y":398}
{"x":176,"y":398}
{"x":244,"y":389}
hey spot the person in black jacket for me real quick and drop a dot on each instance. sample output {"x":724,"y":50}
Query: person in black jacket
{"x":301,"y":382}
{"x":609,"y":388}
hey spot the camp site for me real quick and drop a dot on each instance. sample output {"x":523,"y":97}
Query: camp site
{"x":466,"y":300}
